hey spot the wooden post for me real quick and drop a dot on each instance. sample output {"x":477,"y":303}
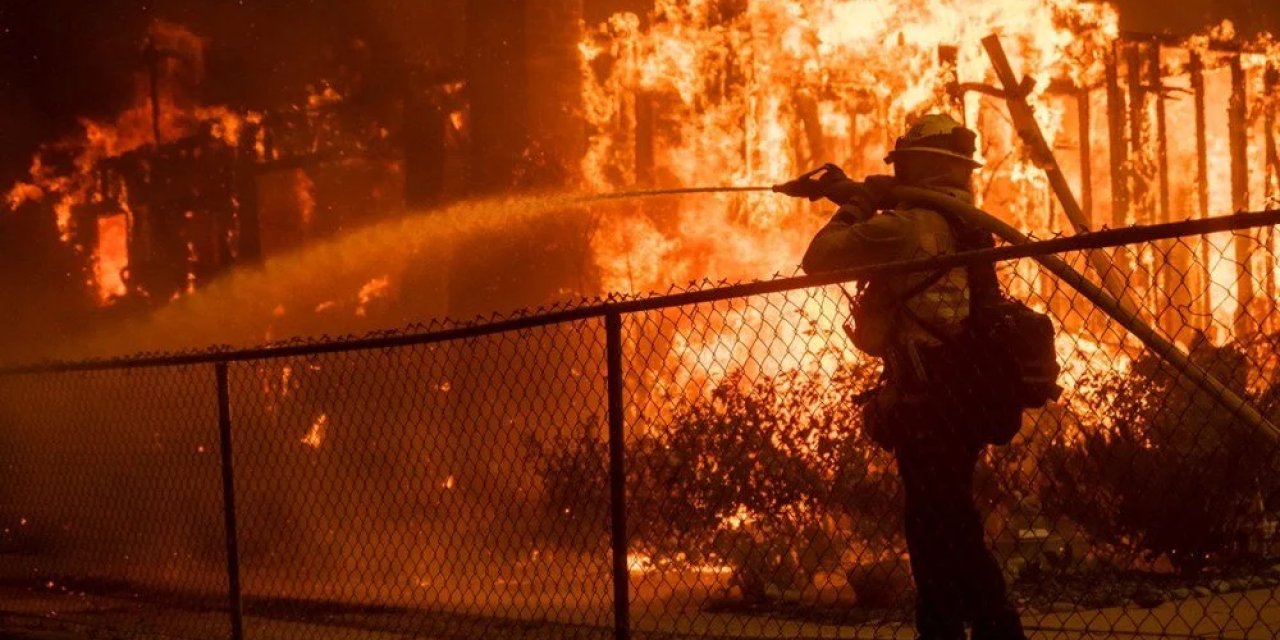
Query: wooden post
{"x":1196,"y":67}
{"x":1085,"y":120}
{"x":1029,"y":130}
{"x":1137,"y":134}
{"x":1170,"y":263}
{"x":1271,"y":83}
{"x":1156,"y":82}
{"x":1239,"y":143}
{"x":1119,"y":155}
{"x":1140,"y":172}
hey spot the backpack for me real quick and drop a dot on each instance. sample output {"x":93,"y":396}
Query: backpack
{"x":1012,"y":344}
{"x":1008,"y":348}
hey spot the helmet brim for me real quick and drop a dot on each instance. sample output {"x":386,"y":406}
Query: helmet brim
{"x":896,"y":153}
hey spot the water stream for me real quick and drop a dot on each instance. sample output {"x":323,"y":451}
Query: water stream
{"x":451,"y":261}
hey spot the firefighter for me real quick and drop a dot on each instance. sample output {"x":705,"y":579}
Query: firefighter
{"x":925,"y":411}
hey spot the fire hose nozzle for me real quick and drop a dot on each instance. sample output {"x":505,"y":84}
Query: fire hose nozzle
{"x":814,"y":185}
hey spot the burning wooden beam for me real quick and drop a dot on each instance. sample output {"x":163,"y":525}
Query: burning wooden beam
{"x":1156,"y":82}
{"x":1084,"y":118}
{"x":1137,"y":134}
{"x":1271,"y":83}
{"x":1140,"y":171}
{"x":1171,"y":262}
{"x":1119,"y":152}
{"x":1196,"y":69}
{"x":1239,"y":144}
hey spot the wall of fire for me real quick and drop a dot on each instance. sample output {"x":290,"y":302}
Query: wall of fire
{"x":1173,"y":132}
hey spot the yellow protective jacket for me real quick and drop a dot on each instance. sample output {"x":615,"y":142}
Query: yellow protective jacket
{"x":904,"y":233}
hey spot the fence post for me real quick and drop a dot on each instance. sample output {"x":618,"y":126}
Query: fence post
{"x":229,"y":502}
{"x":617,"y":478}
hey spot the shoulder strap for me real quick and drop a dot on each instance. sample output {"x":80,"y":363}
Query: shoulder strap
{"x":984,"y":285}
{"x":922,"y":286}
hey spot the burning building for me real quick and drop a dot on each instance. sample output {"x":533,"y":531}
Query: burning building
{"x":160,"y":199}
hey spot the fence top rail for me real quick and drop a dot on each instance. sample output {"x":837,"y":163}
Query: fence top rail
{"x":697,"y":293}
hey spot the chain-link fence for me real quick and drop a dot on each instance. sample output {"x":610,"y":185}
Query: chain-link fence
{"x":683,"y":466}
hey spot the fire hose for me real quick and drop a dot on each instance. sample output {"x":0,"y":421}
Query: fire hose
{"x":1109,"y":304}
{"x":650,"y":193}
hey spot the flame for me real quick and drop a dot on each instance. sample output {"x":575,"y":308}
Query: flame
{"x":752,"y":96}
{"x":316,"y":433}
{"x":111,"y":257}
{"x":177,"y":57}
{"x":372,"y":290}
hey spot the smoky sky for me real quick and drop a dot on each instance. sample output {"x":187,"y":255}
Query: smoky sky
{"x":64,"y":59}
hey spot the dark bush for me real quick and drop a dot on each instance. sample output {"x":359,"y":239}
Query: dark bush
{"x":772,"y":478}
{"x":1166,"y":470}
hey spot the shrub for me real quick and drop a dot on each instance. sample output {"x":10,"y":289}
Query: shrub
{"x":772,"y":478}
{"x":1169,"y":470}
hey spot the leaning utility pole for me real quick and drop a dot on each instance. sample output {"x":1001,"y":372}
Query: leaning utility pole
{"x":1024,"y":120}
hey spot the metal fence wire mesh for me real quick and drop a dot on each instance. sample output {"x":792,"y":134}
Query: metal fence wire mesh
{"x":459,"y":484}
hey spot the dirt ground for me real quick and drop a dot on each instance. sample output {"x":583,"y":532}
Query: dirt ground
{"x":32,"y":615}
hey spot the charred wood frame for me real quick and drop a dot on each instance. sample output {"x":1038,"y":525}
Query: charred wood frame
{"x":1136,"y":78}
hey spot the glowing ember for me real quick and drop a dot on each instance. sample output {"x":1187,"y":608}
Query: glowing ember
{"x":372,"y":290}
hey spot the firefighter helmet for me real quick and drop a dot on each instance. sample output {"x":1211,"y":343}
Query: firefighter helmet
{"x":937,"y":134}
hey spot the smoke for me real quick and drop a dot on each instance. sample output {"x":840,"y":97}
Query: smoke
{"x":1251,"y":17}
